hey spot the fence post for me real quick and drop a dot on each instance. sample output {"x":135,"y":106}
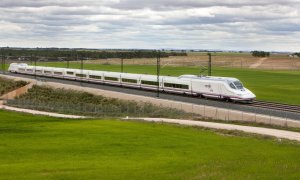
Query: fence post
{"x":103,"y":111}
{"x":285,"y":119}
{"x":242,"y":116}
{"x":144,"y":110}
{"x":121,"y":109}
{"x":134,"y":111}
{"x":127,"y":108}
{"x":193,"y":111}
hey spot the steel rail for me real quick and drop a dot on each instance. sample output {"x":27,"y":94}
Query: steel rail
{"x":275,"y":106}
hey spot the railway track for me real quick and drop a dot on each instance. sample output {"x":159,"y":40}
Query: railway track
{"x":275,"y":106}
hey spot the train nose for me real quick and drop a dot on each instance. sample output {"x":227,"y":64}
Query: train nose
{"x":249,"y":94}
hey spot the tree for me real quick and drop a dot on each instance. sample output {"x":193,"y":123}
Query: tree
{"x":260,"y":54}
{"x":297,"y":54}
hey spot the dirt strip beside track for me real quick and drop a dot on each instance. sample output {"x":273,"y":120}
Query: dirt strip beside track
{"x":41,"y":112}
{"x":248,"y":129}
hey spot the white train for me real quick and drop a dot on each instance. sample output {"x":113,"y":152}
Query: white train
{"x":204,"y":86}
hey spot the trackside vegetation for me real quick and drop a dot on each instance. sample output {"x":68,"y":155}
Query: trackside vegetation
{"x":7,"y":85}
{"x":83,"y":103}
{"x":37,"y":147}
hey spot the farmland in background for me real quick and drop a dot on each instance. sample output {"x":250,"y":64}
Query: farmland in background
{"x":230,"y":60}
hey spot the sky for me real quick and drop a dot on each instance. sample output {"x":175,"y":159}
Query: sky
{"x":272,"y":25}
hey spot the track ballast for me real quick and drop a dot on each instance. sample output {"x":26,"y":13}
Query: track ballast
{"x":275,"y":106}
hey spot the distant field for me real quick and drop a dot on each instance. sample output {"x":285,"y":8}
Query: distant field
{"x":219,"y":59}
{"x":277,"y":86}
{"x":230,"y":54}
{"x":36,"y":147}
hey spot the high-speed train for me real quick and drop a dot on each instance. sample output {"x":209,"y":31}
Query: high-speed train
{"x":205,"y":86}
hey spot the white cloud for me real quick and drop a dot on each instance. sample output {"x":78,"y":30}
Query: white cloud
{"x":211,"y":24}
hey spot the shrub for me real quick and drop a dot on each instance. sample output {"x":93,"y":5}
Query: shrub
{"x":260,"y":54}
{"x":7,"y":85}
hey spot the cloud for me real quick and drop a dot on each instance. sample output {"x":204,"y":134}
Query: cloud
{"x":183,"y":4}
{"x":205,"y":24}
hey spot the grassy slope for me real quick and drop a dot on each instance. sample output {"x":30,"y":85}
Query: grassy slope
{"x":83,"y":103}
{"x":277,"y":86}
{"x":7,"y":85}
{"x":42,"y":147}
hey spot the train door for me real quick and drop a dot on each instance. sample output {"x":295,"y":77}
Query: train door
{"x":224,"y":90}
{"x":120,"y":79}
{"x":220,"y":90}
{"x":140,"y":81}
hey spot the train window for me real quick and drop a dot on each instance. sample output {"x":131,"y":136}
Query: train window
{"x":232,"y":86}
{"x":21,"y":69}
{"x":38,"y":71}
{"x":238,"y":84}
{"x":111,"y":78}
{"x":70,"y":73}
{"x":81,"y":75}
{"x":47,"y":72}
{"x":58,"y":73}
{"x":29,"y":70}
{"x":129,"y":80}
{"x":95,"y":77}
{"x":152,"y":83}
{"x":179,"y":86}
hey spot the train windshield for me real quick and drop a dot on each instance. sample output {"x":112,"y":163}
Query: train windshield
{"x":238,"y":84}
{"x":232,"y":85}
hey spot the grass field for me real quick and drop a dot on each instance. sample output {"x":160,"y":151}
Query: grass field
{"x":277,"y":86}
{"x":35,"y":147}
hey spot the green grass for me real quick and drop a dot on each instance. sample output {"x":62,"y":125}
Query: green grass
{"x":35,"y":147}
{"x":277,"y":86}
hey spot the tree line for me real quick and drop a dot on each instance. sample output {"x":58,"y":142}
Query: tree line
{"x":297,"y":54}
{"x":88,"y":53}
{"x":260,"y":54}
